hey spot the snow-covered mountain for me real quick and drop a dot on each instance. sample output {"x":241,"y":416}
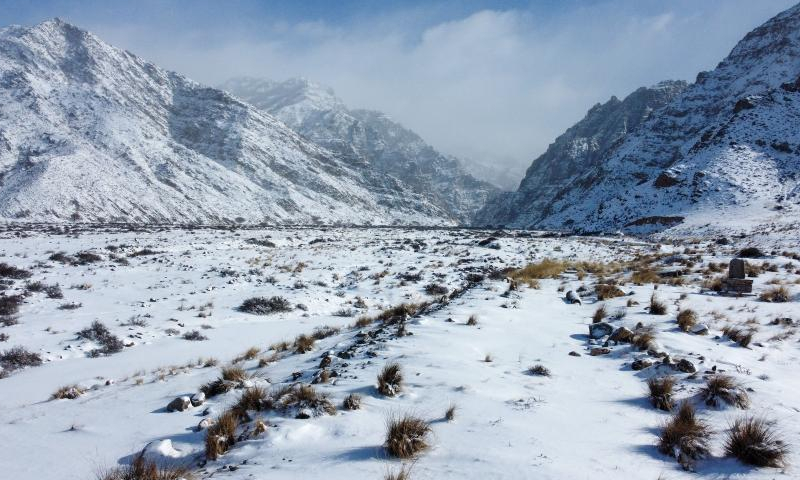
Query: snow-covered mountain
{"x":91,"y":132}
{"x":580,"y":148}
{"x":723,"y":154}
{"x":368,"y":140}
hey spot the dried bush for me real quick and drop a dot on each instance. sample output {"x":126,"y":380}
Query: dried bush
{"x":775,"y":294}
{"x":304,"y":399}
{"x":660,"y":391}
{"x":390,"y":380}
{"x":435,"y":289}
{"x":539,"y":370}
{"x":547,"y":268}
{"x":685,"y":437}
{"x":265,"y":306}
{"x":17,"y":358}
{"x":194,"y":336}
{"x":605,"y":292}
{"x":406,"y":436}
{"x":303,"y":343}
{"x":324,"y":331}
{"x":739,"y":335}
{"x":687,"y":319}
{"x":644,"y":338}
{"x":472,"y":320}
{"x":600,"y":314}
{"x":723,"y":388}
{"x":221,"y":435}
{"x":141,"y":469}
{"x":403,"y":474}
{"x":657,"y":307}
{"x":69,"y":392}
{"x":9,"y":304}
{"x":751,"y":252}
{"x":10,"y":271}
{"x":254,"y":398}
{"x":753,"y":441}
{"x":641,"y":277}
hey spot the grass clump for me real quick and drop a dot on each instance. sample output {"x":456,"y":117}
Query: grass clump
{"x":739,"y":335}
{"x":304,"y":400}
{"x":687,"y":318}
{"x":390,"y":380}
{"x":600,"y":314}
{"x":68,"y":392}
{"x":406,"y":436}
{"x":472,"y":320}
{"x":660,"y":392}
{"x":303,"y":343}
{"x":753,"y":441}
{"x":141,"y":469}
{"x":657,"y":307}
{"x":641,"y":277}
{"x":605,"y":292}
{"x":723,"y":388}
{"x":685,"y":437}
{"x":221,"y":435}
{"x":531,"y":273}
{"x":539,"y":370}
{"x":775,"y":294}
{"x":352,"y":402}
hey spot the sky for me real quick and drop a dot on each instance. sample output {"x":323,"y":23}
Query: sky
{"x":494,"y":82}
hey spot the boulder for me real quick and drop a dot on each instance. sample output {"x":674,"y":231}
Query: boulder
{"x":686,"y":366}
{"x":600,"y":330}
{"x":179,"y":404}
{"x":622,"y":335}
{"x":198,"y":399}
{"x":641,"y":364}
{"x":573,"y":297}
{"x":599,"y":351}
{"x":699,"y":329}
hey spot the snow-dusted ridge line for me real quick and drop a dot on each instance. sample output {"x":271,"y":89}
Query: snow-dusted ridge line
{"x":92,"y":133}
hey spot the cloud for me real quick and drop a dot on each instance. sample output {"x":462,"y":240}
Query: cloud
{"x":493,"y":85}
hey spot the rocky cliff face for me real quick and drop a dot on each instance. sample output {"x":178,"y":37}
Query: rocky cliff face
{"x":723,"y":153}
{"x":90,"y":132}
{"x":581,"y":148}
{"x":369,"y":141}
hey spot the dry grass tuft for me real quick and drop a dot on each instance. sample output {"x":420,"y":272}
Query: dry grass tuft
{"x":403,"y":474}
{"x":141,"y":469}
{"x":254,"y":398}
{"x":641,"y":277}
{"x":390,"y":380}
{"x":687,"y":319}
{"x":539,"y":370}
{"x":605,"y":292}
{"x":660,"y":391}
{"x":753,"y":441}
{"x":723,"y":388}
{"x":644,"y":338}
{"x":69,"y":392}
{"x":685,"y":437}
{"x":221,"y":435}
{"x":775,"y":294}
{"x":657,"y":307}
{"x":352,"y":402}
{"x":533,"y":272}
{"x":450,"y":413}
{"x":472,"y":320}
{"x":739,"y":335}
{"x":406,"y":436}
{"x":600,"y":314}
{"x":303,"y":343}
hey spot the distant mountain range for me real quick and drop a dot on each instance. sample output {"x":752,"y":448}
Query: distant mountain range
{"x":720,"y":154}
{"x":89,"y":132}
{"x":367,"y":139}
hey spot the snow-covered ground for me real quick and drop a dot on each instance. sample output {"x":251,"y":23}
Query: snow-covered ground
{"x":590,"y":419}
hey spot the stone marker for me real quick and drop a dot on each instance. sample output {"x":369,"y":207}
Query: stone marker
{"x":736,"y":268}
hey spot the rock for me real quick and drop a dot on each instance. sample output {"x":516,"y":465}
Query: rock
{"x":686,"y":366}
{"x":325,"y":362}
{"x":205,"y":423}
{"x":641,"y":364}
{"x":600,"y":330}
{"x":198,"y":399}
{"x":161,"y":450}
{"x":699,"y":329}
{"x":621,"y":335}
{"x":179,"y":404}
{"x":599,"y":351}
{"x":574,"y":354}
{"x":304,"y":414}
{"x":573,"y":297}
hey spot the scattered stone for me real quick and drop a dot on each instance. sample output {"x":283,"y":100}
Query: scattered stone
{"x":600,"y":330}
{"x":699,"y":329}
{"x":686,"y":366}
{"x":179,"y":404}
{"x":205,"y":423}
{"x":573,"y":297}
{"x":574,"y":354}
{"x":198,"y":399}
{"x":641,"y":364}
{"x":599,"y":351}
{"x":622,"y":335}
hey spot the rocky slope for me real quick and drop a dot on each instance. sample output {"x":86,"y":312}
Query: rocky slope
{"x":90,"y":132}
{"x":723,"y":155}
{"x":368,"y":140}
{"x":582,"y":147}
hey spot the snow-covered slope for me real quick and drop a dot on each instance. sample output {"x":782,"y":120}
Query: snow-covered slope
{"x":724,"y":155}
{"x":580,"y":148}
{"x":91,"y":132}
{"x":369,"y":140}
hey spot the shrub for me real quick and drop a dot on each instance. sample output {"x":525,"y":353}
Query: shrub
{"x":685,"y":437}
{"x":304,"y":399}
{"x":539,"y":370}
{"x":195,"y":336}
{"x":10,"y":271}
{"x":53,"y":291}
{"x":724,"y":388}
{"x":435,"y":289}
{"x":324,"y":331}
{"x":221,"y":435}
{"x":390,"y":380}
{"x":265,"y":306}
{"x":751,"y":252}
{"x":17,"y":358}
{"x":687,"y":319}
{"x":660,"y":390}
{"x":70,"y":306}
{"x":739,"y":335}
{"x":9,"y":304}
{"x":69,"y":392}
{"x":254,"y":398}
{"x":600,"y":314}
{"x":775,"y":294}
{"x":85,"y":258}
{"x":141,"y":469}
{"x":352,"y":402}
{"x":406,"y":436}
{"x":472,"y":320}
{"x":99,"y":333}
{"x":753,"y":441}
